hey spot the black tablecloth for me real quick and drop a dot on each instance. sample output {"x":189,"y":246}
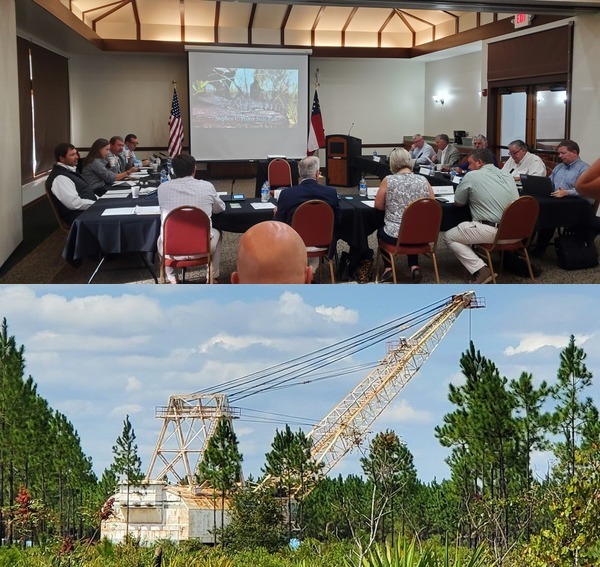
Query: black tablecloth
{"x":92,"y":234}
{"x":262,"y":174}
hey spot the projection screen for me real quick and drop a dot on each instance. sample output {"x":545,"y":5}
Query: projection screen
{"x":248,"y":105}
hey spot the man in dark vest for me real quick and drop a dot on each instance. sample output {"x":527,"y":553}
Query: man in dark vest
{"x":69,"y":190}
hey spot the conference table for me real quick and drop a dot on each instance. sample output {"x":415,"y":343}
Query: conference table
{"x":95,"y":234}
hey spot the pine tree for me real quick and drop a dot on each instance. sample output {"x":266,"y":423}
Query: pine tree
{"x":290,"y":464}
{"x":571,"y":411}
{"x":127,"y":463}
{"x":389,"y":466}
{"x":221,"y":465}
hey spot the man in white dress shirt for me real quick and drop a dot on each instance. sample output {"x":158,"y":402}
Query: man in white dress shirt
{"x":522,"y":162}
{"x":185,"y":190}
{"x":69,"y":190}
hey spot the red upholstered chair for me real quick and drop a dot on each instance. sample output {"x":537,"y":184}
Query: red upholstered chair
{"x":279,"y":173}
{"x":514,"y":233}
{"x":418,"y":234}
{"x":186,"y":232}
{"x":314,"y":221}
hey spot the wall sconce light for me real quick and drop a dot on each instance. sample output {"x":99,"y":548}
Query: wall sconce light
{"x":438,"y":99}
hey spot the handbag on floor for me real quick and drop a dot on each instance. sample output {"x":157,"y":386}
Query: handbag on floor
{"x":575,"y":252}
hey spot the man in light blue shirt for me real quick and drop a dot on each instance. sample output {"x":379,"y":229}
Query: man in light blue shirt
{"x":421,"y":151}
{"x":565,"y":174}
{"x":563,"y":177}
{"x":131,"y":143}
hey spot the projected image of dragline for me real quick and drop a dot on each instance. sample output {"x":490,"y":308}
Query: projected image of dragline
{"x":245,"y":98}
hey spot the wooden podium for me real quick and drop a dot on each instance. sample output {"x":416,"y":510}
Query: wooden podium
{"x":340,"y":153}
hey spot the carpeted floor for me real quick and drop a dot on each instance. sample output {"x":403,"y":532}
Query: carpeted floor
{"x":44,"y":263}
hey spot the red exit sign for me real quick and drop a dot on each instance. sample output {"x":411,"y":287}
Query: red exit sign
{"x":522,"y":20}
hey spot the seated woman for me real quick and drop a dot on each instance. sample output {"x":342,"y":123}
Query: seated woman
{"x":395,"y":193}
{"x":96,"y":169}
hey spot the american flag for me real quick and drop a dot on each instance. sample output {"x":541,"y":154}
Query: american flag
{"x":175,"y":127}
{"x":316,"y":134}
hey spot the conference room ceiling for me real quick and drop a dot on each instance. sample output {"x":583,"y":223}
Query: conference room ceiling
{"x":120,"y":24}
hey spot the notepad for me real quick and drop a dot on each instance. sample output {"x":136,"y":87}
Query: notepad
{"x":151,"y":210}
{"x":258,"y":206}
{"x":369,"y":203}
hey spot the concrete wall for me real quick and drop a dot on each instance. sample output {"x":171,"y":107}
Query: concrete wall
{"x":11,"y":219}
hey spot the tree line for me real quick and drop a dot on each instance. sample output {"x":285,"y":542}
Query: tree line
{"x":492,"y":497}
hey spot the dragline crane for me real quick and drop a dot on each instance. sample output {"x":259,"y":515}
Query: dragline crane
{"x":347,"y":424}
{"x":159,"y":509}
{"x":189,"y":420}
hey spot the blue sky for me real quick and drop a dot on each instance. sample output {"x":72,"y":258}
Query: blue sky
{"x":99,"y":353}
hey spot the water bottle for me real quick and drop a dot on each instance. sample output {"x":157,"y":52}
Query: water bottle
{"x":375,"y":155}
{"x":265,"y":192}
{"x":163,"y":175}
{"x":362,"y":187}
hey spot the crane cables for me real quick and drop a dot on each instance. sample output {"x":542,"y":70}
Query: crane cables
{"x":309,"y":367}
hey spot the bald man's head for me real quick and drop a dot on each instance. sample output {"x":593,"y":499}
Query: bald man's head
{"x":271,"y":252}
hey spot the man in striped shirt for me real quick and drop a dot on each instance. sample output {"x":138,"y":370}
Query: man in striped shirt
{"x":185,"y":190}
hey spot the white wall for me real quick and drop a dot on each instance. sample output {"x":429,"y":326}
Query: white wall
{"x":459,"y":79}
{"x":585,"y":94}
{"x":11,"y":219}
{"x":118,"y":93}
{"x":383,"y":97}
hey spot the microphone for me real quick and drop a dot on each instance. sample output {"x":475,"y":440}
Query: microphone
{"x":512,"y":170}
{"x":352,"y":126}
{"x":232,"y":184}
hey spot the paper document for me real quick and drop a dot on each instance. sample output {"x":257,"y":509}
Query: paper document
{"x":151,"y":210}
{"x":115,"y":195}
{"x":263,"y":205}
{"x":148,"y":191}
{"x":222,"y":193}
{"x":369,"y":203}
{"x":443,"y":190}
{"x":124,"y":183}
{"x":372,"y":191}
{"x":118,"y":211}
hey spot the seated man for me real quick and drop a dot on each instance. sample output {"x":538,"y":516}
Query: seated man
{"x":131,"y":142}
{"x":447,"y":154}
{"x":421,"y":151}
{"x":116,"y":158}
{"x":488,"y":193}
{"x":521,"y":161}
{"x":186,"y":190}
{"x":271,"y":252}
{"x":479,"y":143}
{"x":309,"y":188}
{"x":563,"y":176}
{"x":71,"y":191}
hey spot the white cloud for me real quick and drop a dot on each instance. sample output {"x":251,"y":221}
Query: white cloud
{"x":532,"y":342}
{"x":403,"y":412}
{"x":57,"y":341}
{"x":337,"y":314}
{"x":133,"y":384}
{"x":125,"y":409}
{"x":233,"y":342}
{"x":120,"y":313}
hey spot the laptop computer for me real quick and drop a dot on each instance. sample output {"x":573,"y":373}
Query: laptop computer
{"x":536,"y":185}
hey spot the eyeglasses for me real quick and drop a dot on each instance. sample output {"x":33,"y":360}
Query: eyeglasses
{"x":516,"y":151}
